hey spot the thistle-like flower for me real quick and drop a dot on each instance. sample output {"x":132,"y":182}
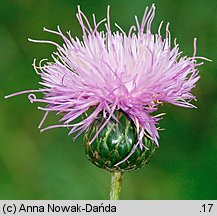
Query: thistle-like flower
{"x":107,"y":75}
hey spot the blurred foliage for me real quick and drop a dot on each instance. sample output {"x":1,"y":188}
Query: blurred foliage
{"x":49,"y":165}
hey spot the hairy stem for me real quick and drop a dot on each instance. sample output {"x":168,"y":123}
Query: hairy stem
{"x":116,"y":184}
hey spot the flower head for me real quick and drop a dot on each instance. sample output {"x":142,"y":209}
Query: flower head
{"x":107,"y":71}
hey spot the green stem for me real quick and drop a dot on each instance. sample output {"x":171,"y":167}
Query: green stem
{"x":116,"y":184}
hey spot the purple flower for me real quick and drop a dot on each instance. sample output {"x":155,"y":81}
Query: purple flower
{"x":106,"y":71}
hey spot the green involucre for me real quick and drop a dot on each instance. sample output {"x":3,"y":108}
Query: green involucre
{"x":114,"y":143}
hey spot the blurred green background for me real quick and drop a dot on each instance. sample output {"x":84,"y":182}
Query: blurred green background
{"x":49,"y":165}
